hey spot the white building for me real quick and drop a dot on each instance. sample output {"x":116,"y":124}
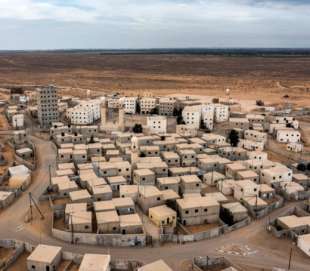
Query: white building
{"x":288,"y":135}
{"x":157,"y":124}
{"x":303,"y":242}
{"x":251,"y":145}
{"x":221,"y":113}
{"x":255,"y":136}
{"x":147,"y":104}
{"x":294,"y":147}
{"x":18,"y":121}
{"x":207,"y":115}
{"x":192,"y":115}
{"x":276,"y":174}
{"x":87,"y":112}
{"x":129,"y":104}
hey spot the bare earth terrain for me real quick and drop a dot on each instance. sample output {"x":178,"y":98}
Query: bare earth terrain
{"x":267,"y":78}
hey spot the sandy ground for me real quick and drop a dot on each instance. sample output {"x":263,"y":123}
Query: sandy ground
{"x":267,"y":78}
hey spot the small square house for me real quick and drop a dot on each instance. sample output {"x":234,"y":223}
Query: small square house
{"x":245,"y":188}
{"x":149,"y":196}
{"x":44,"y":258}
{"x":190,"y":184}
{"x":166,"y":183}
{"x":163,"y":216}
{"x":131,"y":224}
{"x":80,"y":222}
{"x":80,"y":196}
{"x":95,"y":262}
{"x":108,"y":222}
{"x":172,"y":159}
{"x":144,"y":177}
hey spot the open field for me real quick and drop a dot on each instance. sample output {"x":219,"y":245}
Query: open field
{"x":267,"y":78}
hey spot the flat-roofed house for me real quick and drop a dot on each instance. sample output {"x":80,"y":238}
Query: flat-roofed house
{"x":159,"y":265}
{"x":44,"y":258}
{"x":163,"y":216}
{"x":104,"y":206}
{"x":144,"y":176}
{"x":80,"y":222}
{"x":188,"y":158}
{"x":149,"y":196}
{"x":115,"y":183}
{"x":212,"y":178}
{"x":120,"y":168}
{"x":95,"y":262}
{"x":102,"y":193}
{"x":124,"y":206}
{"x":169,"y":183}
{"x":74,"y":208}
{"x":245,"y":188}
{"x":233,"y":153}
{"x":303,"y":242}
{"x":160,"y":168}
{"x":266,"y":191}
{"x":150,"y":151}
{"x":181,"y":171}
{"x":198,"y":210}
{"x":65,"y":155}
{"x":248,"y":175}
{"x":234,"y":212}
{"x":64,"y":188}
{"x":241,"y":123}
{"x":6,"y":198}
{"x":129,"y":191}
{"x":301,"y":179}
{"x":276,"y":174}
{"x":79,"y":156}
{"x":108,"y":222}
{"x":190,"y":184}
{"x":131,"y":224}
{"x":232,"y":169}
{"x":80,"y":196}
{"x":298,"y":225}
{"x":94,"y":149}
{"x":172,"y":159}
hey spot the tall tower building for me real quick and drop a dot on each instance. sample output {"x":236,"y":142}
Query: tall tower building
{"x":103,"y":114}
{"x":47,"y":106}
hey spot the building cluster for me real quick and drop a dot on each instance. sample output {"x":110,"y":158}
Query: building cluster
{"x":174,"y":179}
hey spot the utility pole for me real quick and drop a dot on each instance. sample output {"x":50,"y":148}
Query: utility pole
{"x":290,"y":259}
{"x":72,"y":230}
{"x":50,"y":175}
{"x":30,"y":206}
{"x":31,"y":200}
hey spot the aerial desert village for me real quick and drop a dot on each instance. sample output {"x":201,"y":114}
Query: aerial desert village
{"x":149,"y":171}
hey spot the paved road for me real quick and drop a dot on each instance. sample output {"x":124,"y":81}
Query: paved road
{"x":266,"y":251}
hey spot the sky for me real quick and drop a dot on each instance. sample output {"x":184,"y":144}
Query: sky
{"x":131,"y":24}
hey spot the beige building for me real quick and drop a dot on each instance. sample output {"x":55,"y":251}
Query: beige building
{"x":172,"y":159}
{"x":198,"y":210}
{"x":44,"y":258}
{"x":108,"y":222}
{"x":159,"y":265}
{"x":188,"y":158}
{"x":95,"y":262}
{"x":163,"y":216}
{"x":131,"y":224}
{"x":190,"y":184}
{"x":149,"y":196}
{"x":144,"y":177}
{"x":80,"y":222}
{"x":245,"y":188}
{"x":166,"y":183}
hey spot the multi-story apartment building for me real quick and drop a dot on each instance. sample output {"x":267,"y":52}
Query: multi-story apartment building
{"x":147,"y":104}
{"x":192,"y":116}
{"x":166,"y":106}
{"x":129,"y":104}
{"x":157,"y":124}
{"x":47,"y":106}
